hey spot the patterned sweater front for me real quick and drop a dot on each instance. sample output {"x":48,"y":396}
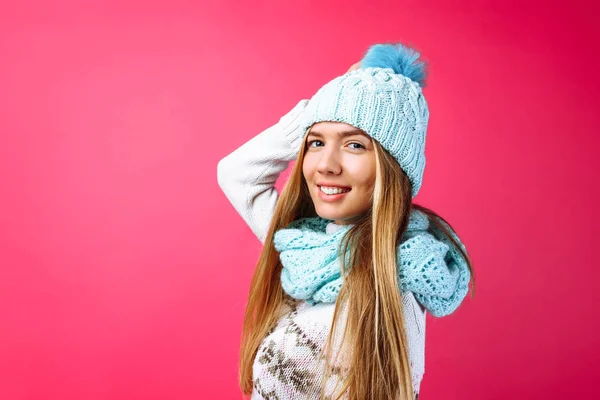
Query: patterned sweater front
{"x":288,"y":363}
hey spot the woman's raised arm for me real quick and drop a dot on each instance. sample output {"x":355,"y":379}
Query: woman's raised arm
{"x":247,"y":176}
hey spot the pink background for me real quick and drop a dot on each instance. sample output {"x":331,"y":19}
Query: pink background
{"x":124,"y":270}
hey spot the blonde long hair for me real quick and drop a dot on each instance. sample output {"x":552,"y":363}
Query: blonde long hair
{"x":379,"y":366}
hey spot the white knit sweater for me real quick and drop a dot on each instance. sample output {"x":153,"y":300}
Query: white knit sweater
{"x":287,"y":365}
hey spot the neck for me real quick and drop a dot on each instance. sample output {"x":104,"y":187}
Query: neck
{"x":334,"y":226}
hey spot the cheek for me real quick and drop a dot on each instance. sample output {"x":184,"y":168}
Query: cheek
{"x":365,"y":177}
{"x":307,"y":168}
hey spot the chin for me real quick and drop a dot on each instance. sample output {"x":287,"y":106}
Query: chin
{"x":332,"y":215}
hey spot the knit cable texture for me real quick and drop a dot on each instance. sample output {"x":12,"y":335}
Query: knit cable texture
{"x":429,"y":265}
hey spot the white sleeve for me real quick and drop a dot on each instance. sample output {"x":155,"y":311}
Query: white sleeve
{"x":247,"y":176}
{"x":414,"y":317}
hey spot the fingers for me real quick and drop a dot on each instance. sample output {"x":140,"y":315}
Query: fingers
{"x":354,"y":66}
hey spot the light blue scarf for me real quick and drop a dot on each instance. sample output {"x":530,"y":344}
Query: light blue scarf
{"x":429,"y":266}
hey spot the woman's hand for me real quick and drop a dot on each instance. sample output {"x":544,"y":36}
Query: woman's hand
{"x":354,"y":66}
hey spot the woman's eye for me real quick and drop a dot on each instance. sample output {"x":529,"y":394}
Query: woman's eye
{"x":358,"y":144}
{"x":310,"y":144}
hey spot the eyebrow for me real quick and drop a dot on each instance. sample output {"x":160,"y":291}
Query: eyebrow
{"x":354,"y":132}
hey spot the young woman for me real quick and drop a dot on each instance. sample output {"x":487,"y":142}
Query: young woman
{"x":350,"y":265}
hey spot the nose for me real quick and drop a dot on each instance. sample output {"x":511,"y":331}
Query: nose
{"x":329,"y":162}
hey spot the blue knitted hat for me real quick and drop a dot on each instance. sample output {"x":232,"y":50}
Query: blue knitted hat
{"x":383,"y":98}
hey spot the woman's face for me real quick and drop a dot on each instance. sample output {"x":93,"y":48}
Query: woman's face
{"x":339,"y":168}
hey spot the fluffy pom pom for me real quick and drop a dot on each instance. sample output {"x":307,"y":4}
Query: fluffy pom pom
{"x":403,"y":60}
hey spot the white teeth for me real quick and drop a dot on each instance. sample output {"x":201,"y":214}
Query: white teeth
{"x":330,"y":190}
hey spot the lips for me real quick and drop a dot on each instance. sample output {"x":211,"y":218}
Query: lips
{"x":332,"y":185}
{"x":333,"y":190}
{"x":332,"y":197}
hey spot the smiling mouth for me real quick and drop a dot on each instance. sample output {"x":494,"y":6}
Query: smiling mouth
{"x":333,"y":191}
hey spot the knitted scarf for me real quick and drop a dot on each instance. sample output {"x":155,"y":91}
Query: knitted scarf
{"x":429,"y":265}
